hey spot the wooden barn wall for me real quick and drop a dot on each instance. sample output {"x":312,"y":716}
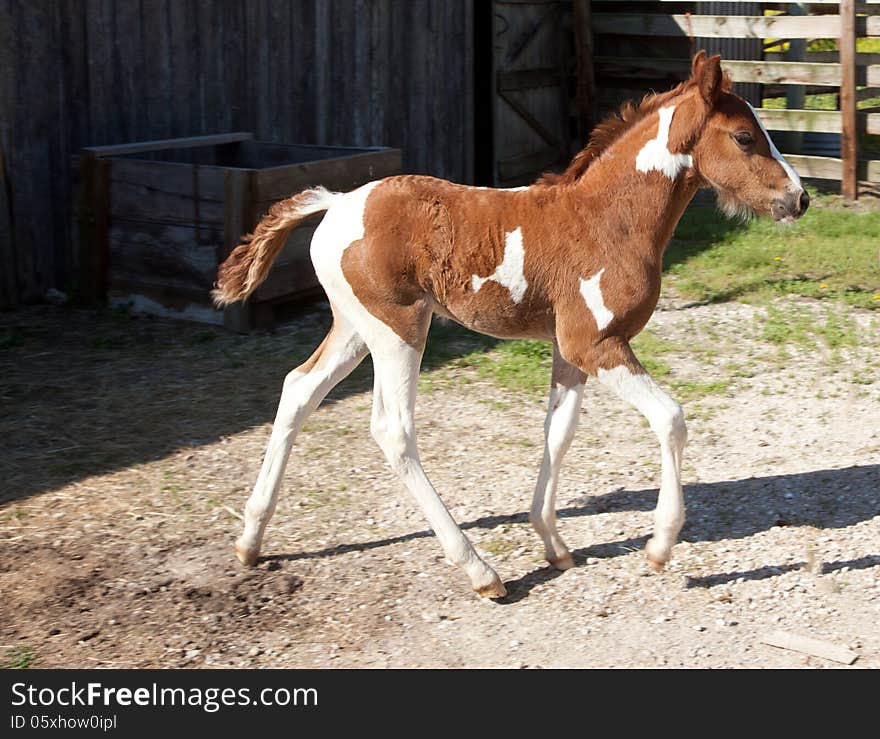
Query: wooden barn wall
{"x":77,"y":73}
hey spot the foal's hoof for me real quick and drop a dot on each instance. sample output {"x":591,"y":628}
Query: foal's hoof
{"x":657,"y":555}
{"x":566,"y":562}
{"x":493,"y":590}
{"x":248,"y":557}
{"x":656,"y":565}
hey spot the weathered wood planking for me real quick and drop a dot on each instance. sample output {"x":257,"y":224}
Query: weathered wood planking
{"x":811,"y":646}
{"x":174,"y":256}
{"x":831,"y":168}
{"x":8,"y":297}
{"x":849,"y":139}
{"x":869,"y":6}
{"x":99,"y":72}
{"x":729,"y":26}
{"x":825,"y":57}
{"x":792,"y":73}
{"x":826,"y":121}
{"x":155,"y":222}
{"x":343,"y":173}
{"x":166,"y":192}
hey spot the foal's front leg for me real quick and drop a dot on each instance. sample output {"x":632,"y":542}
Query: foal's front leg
{"x":618,"y":369}
{"x":566,"y":392}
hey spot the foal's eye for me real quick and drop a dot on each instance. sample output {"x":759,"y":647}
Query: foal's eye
{"x":744,"y":138}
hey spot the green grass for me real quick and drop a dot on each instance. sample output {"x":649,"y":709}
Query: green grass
{"x":690,"y":390}
{"x":513,"y":365}
{"x":830,"y":253}
{"x":19,"y":658}
{"x":832,"y":330}
{"x":649,"y":347}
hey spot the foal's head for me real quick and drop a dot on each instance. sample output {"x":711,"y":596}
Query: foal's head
{"x":734,"y":154}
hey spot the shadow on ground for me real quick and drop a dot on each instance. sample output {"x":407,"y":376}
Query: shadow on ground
{"x":735,"y":509}
{"x":87,"y":392}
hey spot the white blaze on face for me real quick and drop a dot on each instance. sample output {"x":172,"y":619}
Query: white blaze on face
{"x":655,"y":153}
{"x":510,"y":272}
{"x":792,"y":175}
{"x":592,"y":295}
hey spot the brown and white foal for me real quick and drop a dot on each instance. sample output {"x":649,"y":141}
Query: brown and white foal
{"x":574,"y":259}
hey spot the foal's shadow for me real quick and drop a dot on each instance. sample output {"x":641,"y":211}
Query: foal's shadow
{"x":734,"y":509}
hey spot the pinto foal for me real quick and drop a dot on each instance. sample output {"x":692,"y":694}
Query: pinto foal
{"x":574,"y":259}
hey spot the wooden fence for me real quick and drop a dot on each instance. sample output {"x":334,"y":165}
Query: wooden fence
{"x":76,"y":73}
{"x":843,"y":69}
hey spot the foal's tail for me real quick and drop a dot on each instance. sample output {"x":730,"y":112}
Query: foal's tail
{"x":247,"y":265}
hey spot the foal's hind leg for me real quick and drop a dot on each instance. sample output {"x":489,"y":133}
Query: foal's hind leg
{"x":566,"y":392}
{"x":304,"y":389}
{"x":396,"y":365}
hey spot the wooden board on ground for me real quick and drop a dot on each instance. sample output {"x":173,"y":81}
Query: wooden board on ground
{"x":808,"y":645}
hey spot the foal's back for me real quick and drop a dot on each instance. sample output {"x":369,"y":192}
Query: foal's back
{"x":488,"y":258}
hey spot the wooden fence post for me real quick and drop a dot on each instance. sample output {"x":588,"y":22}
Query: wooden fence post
{"x":849,"y":149}
{"x":8,"y":292}
{"x":94,"y":227}
{"x":583,"y":35}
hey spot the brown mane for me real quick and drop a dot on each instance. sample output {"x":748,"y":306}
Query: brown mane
{"x":609,"y":131}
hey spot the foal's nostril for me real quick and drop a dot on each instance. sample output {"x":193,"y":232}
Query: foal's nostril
{"x":804,"y":201}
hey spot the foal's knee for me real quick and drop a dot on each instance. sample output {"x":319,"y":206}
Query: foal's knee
{"x":670,"y":426}
{"x":392,"y":439}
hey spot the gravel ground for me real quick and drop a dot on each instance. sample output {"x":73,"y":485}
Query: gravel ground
{"x":129,"y":445}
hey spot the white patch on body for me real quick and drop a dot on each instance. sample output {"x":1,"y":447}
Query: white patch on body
{"x":655,"y":153}
{"x":591,"y":292}
{"x":510,"y":272}
{"x":792,"y":175}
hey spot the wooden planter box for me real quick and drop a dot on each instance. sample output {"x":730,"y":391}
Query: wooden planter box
{"x":156,"y":218}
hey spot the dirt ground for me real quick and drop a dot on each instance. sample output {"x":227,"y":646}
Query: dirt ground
{"x":130,"y":444}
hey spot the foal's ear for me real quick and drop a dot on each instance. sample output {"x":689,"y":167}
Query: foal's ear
{"x":707,"y":74}
{"x":697,"y":62}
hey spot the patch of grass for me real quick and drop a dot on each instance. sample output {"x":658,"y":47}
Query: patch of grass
{"x":19,"y":658}
{"x":692,"y":390}
{"x":498,"y":547}
{"x":314,"y":499}
{"x":497,"y":405}
{"x":838,"y":330}
{"x":514,"y":365}
{"x":786,"y":327}
{"x":648,"y":347}
{"x":737,"y":369}
{"x":830,"y":253}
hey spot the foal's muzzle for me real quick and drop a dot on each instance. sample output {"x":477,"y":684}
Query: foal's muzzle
{"x":791,"y":207}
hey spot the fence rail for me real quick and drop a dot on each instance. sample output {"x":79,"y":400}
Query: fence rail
{"x":730,"y":26}
{"x":843,"y":69}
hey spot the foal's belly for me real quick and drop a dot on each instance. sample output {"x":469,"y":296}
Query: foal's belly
{"x":501,"y":321}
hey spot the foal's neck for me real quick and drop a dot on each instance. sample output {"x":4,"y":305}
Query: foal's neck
{"x":642,"y":188}
{"x":640,"y":210}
